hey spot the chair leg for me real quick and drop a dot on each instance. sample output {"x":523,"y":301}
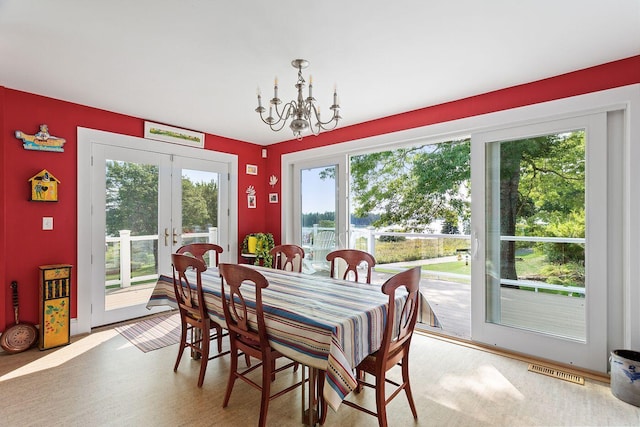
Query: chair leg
{"x":381,"y":404}
{"x":267,"y":377}
{"x":407,"y":386}
{"x":219,"y":336}
{"x":183,"y":341}
{"x":233,"y":370}
{"x":204,"y":351}
{"x":359,"y":378}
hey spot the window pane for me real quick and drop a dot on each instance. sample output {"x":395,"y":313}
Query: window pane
{"x":535,"y":273}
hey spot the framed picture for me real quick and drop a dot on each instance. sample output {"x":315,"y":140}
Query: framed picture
{"x":252,"y":170}
{"x":273,"y":197}
{"x":174,"y":135}
{"x":251,"y":201}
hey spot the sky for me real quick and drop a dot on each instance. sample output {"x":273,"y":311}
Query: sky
{"x":318,"y":195}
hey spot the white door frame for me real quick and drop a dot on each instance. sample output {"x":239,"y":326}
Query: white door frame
{"x":87,"y":137}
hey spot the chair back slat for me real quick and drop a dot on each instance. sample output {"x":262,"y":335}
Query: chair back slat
{"x":237,"y":279}
{"x":398,"y":331}
{"x":353,"y":258}
{"x":189,"y":298}
{"x":198,"y":250}
{"x":238,"y":311}
{"x":285,"y":256}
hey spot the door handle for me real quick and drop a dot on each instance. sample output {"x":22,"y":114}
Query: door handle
{"x":175,"y":236}
{"x":166,"y":237}
{"x":474,"y":248}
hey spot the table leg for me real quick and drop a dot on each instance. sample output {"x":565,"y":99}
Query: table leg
{"x":196,"y":334}
{"x":311,"y":404}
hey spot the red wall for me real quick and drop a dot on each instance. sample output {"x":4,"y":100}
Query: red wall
{"x":24,"y":245}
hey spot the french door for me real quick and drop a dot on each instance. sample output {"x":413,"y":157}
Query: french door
{"x":145,"y":203}
{"x":539,"y":276}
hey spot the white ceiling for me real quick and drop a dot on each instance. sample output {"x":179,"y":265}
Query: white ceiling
{"x":196,"y":64}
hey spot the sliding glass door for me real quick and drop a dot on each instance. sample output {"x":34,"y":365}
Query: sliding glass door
{"x":539,"y":276}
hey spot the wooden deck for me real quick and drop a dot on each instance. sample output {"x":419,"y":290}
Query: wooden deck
{"x":549,"y":313}
{"x":126,"y":297}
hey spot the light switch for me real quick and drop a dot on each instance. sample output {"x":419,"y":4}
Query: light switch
{"x":47,"y":223}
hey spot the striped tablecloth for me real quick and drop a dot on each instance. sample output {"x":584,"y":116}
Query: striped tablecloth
{"x":324,"y":323}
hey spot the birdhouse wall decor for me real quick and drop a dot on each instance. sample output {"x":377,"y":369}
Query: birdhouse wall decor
{"x":41,"y":141}
{"x":44,"y":187}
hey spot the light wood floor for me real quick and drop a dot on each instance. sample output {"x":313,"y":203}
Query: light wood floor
{"x":102,"y":380}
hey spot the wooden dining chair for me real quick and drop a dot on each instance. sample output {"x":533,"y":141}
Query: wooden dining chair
{"x":198,"y":250}
{"x":284,"y":257}
{"x":248,"y":334}
{"x":353,"y":258}
{"x":394,"y":350}
{"x":194,"y":317}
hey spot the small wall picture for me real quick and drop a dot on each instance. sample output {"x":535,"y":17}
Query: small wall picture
{"x":273,"y":197}
{"x":252,"y":170}
{"x":251,"y":201}
{"x":174,"y":135}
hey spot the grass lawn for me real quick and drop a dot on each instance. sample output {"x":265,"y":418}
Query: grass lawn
{"x":526,"y":264}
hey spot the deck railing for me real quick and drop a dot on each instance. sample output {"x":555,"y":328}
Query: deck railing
{"x":131,"y":252}
{"x":440,"y":249}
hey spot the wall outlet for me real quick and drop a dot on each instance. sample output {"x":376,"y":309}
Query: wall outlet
{"x":47,"y":223}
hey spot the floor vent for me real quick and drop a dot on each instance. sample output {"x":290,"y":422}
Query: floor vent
{"x":551,"y":372}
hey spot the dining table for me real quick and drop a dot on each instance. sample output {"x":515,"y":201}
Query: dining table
{"x":328,"y":325}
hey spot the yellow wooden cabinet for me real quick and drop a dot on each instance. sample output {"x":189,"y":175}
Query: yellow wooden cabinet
{"x":55,"y":305}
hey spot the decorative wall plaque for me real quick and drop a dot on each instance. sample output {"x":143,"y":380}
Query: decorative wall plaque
{"x":41,"y":141}
{"x":44,"y":187}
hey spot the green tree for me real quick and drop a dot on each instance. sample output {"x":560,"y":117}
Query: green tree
{"x":209,"y":192}
{"x":199,"y":205}
{"x":412,"y":187}
{"x":541,"y":182}
{"x":132,"y":198}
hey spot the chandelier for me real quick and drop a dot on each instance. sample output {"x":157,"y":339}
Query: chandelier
{"x":303,"y":112}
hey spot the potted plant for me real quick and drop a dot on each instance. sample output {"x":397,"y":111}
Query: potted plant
{"x":263,"y":244}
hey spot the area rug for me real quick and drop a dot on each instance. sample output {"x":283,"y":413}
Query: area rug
{"x":154,"y":332}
